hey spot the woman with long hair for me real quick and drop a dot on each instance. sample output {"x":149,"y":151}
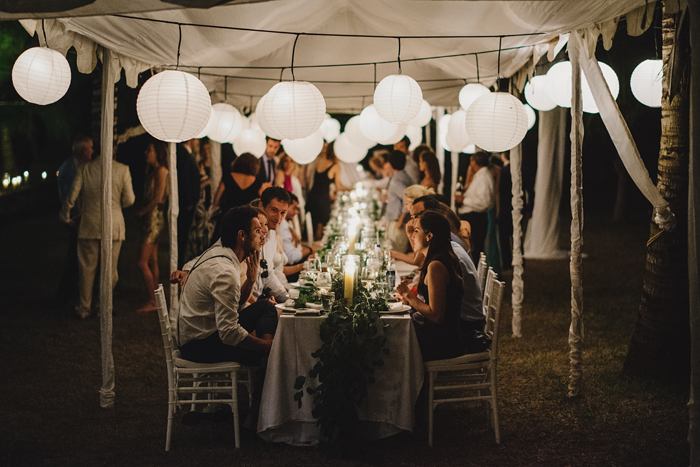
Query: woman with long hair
{"x":430,"y":167}
{"x":439,"y":291}
{"x":153,"y":217}
{"x":320,"y":196}
{"x":238,"y":187}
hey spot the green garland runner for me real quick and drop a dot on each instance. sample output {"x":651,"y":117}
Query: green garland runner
{"x":353,"y":344}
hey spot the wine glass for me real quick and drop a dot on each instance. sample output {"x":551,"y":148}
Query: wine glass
{"x":324,"y":282}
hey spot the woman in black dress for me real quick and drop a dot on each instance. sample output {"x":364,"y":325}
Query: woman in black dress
{"x":439,"y":291}
{"x":238,"y":187}
{"x":320,"y":197}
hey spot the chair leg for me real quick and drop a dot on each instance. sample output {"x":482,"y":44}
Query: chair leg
{"x":431,"y":385}
{"x":195,"y":384}
{"x":250,"y":389}
{"x":171,"y":410}
{"x":494,"y":402}
{"x":234,"y":408}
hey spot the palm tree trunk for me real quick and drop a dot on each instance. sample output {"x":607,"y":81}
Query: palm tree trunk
{"x":660,"y":347}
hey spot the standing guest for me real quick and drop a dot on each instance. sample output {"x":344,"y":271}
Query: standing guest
{"x":211,"y":326}
{"x":266,"y":173}
{"x":153,"y":218}
{"x":320,"y":196}
{"x":288,"y":178}
{"x":411,"y":167}
{"x":430,"y":168}
{"x":439,"y":290}
{"x":476,"y":201}
{"x":82,"y":153}
{"x":238,"y":187}
{"x":88,"y":187}
{"x":188,"y":195}
{"x":394,"y":202}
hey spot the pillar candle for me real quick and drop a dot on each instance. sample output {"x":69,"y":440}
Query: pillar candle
{"x":350,"y":271}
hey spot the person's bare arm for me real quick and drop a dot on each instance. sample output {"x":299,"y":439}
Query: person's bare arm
{"x":219,"y":193}
{"x":159,"y":192}
{"x":436,"y":280}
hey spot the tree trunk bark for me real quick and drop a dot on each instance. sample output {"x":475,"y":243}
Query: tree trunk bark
{"x":660,"y":346}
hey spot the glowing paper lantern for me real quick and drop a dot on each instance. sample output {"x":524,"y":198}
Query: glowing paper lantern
{"x":425,"y":114}
{"x":610,"y":76}
{"x":225,"y":123}
{"x":352,"y":128}
{"x":531,"y":116}
{"x":536,"y":94}
{"x":347,"y":151}
{"x":41,"y":75}
{"x":496,"y":122}
{"x":470,"y":93}
{"x":398,"y":98}
{"x":261,"y":120}
{"x":457,"y":135}
{"x":304,"y":150}
{"x":252,"y":141}
{"x":442,"y":127}
{"x":173,"y":106}
{"x":245,"y":122}
{"x":559,"y":84}
{"x":646,"y":82}
{"x":330,"y":128}
{"x":396,"y":137}
{"x":375,"y":127}
{"x":206,"y":129}
{"x":294,"y":110}
{"x":415,"y":134}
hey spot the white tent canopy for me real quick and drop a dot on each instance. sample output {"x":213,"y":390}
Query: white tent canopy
{"x":439,"y":39}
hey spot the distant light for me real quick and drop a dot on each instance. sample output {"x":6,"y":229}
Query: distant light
{"x":43,"y":175}
{"x":26,"y":175}
{"x":646,"y":82}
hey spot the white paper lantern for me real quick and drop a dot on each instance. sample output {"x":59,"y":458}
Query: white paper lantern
{"x":531,"y":116}
{"x":610,"y":77}
{"x":470,"y":93}
{"x":559,"y":84}
{"x":346,"y":151}
{"x":646,"y":82}
{"x":397,"y":136}
{"x":41,"y":75}
{"x":261,"y":120}
{"x":304,"y":150}
{"x":245,"y":122}
{"x":173,"y":106}
{"x":252,"y":141}
{"x":398,"y":98}
{"x":470,"y":149}
{"x":415,"y":134}
{"x":496,"y":122}
{"x":536,"y":94}
{"x":207,"y":128}
{"x":356,"y":136}
{"x":442,"y":127}
{"x":294,"y":110}
{"x":254,"y":125}
{"x":425,"y":114}
{"x":225,"y":123}
{"x":375,"y":127}
{"x":457,"y":135}
{"x":330,"y":129}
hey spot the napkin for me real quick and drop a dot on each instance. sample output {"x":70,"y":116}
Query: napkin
{"x":395,"y":306}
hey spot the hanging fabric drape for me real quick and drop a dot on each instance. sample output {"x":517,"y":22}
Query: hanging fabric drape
{"x":620,"y":134}
{"x":542,"y":236}
{"x":106,"y":147}
{"x":517,"y":263}
{"x":576,"y":328}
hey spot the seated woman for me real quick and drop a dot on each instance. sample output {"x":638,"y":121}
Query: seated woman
{"x":430,"y":168}
{"x":439,"y":290}
{"x":410,"y":194}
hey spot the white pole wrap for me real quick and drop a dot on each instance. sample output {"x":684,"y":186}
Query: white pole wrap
{"x":106,"y":142}
{"x":517,"y":263}
{"x":173,"y":212}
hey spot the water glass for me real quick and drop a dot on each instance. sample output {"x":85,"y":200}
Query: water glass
{"x":327,"y":300}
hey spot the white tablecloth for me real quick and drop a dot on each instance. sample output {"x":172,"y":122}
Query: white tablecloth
{"x":389,"y":407}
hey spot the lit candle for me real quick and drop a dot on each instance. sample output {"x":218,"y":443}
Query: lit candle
{"x":352,"y":236}
{"x":350,"y":271}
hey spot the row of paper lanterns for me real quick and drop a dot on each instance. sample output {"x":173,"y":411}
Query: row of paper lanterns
{"x":175,"y":106}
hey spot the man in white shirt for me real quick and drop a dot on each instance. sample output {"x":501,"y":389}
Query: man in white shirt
{"x":210,"y":327}
{"x":479,"y":197}
{"x":275,"y":202}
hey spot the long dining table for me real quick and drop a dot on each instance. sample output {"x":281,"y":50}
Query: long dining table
{"x":389,"y":407}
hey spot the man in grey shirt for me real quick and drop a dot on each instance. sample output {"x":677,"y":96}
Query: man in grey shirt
{"x":394,"y":204}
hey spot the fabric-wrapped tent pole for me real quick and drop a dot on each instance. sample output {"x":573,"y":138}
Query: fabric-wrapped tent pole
{"x":173,"y":212}
{"x":517,"y":263}
{"x":576,"y":328}
{"x":106,"y":148}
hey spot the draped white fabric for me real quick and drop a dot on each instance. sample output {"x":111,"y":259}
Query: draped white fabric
{"x":517,"y":192}
{"x":542,"y":236}
{"x":139,"y":44}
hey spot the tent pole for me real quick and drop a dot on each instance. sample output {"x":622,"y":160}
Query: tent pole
{"x":576,"y":329}
{"x":517,"y":262}
{"x":106,"y":149}
{"x":173,"y":212}
{"x":694,"y":236}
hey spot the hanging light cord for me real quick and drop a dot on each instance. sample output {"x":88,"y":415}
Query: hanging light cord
{"x":398,"y":58}
{"x":43,"y":29}
{"x":500,"y":40}
{"x":478,"y":80}
{"x":294,"y":48}
{"x":179,"y":44}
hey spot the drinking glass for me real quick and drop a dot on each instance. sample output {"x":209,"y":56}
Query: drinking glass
{"x":323,"y":281}
{"x":327,"y":300}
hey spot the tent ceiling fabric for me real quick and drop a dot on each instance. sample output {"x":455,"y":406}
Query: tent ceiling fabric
{"x":142,"y":44}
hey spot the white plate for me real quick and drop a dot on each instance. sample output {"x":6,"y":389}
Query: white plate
{"x":298,"y":311}
{"x":315,"y":306}
{"x":399,"y":309}
{"x":307,"y":311}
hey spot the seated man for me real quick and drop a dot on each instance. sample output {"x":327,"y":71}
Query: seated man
{"x":211,"y":327}
{"x":296,"y":251}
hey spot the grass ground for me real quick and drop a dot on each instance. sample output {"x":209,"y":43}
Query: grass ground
{"x":51,"y":375}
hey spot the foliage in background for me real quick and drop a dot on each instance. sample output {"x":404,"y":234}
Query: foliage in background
{"x":353,"y":341}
